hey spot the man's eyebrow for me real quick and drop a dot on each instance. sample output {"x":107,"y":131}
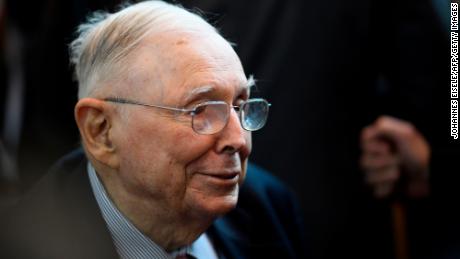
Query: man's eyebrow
{"x":251,"y":82}
{"x":197,"y":92}
{"x":208,"y":89}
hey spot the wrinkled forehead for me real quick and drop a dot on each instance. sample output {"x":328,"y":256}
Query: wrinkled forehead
{"x":174,"y":65}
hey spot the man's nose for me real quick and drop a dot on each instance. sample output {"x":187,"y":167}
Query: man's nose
{"x":233,"y":138}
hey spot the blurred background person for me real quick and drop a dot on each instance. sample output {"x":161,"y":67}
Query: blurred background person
{"x":11,"y":99}
{"x":396,"y":160}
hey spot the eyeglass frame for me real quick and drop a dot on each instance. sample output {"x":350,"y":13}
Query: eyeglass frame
{"x":192,"y":111}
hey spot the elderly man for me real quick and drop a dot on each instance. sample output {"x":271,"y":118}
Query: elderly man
{"x":165,"y":120}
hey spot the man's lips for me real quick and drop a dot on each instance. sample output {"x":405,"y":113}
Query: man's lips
{"x":223,"y":177}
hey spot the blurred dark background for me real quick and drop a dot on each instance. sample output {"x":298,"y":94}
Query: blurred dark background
{"x":329,"y":68}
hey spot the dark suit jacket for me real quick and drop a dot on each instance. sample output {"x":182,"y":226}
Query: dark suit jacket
{"x":60,"y":218}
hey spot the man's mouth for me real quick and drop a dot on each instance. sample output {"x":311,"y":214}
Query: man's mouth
{"x":222,"y":177}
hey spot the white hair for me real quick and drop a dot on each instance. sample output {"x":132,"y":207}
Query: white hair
{"x":105,"y":41}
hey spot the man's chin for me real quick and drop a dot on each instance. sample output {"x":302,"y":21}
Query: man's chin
{"x":215,"y":206}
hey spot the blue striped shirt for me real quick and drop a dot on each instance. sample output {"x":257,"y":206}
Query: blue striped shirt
{"x":132,"y":243}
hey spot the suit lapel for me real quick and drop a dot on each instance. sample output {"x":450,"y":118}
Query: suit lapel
{"x":228,"y":238}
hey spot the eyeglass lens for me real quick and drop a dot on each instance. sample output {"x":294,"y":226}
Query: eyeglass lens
{"x":212,"y":118}
{"x":254,"y":114}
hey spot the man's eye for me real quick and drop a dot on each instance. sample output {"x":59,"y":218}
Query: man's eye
{"x":200,"y":109}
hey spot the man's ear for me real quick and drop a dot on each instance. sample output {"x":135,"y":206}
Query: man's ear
{"x":94,"y":120}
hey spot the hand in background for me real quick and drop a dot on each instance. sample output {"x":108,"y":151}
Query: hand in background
{"x":394,"y":154}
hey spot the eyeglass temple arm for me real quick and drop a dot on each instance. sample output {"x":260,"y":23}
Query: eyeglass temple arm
{"x":125,"y":101}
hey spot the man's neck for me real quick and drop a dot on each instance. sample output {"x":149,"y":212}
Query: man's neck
{"x":168,"y":228}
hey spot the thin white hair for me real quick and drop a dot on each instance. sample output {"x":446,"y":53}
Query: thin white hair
{"x":103,"y":43}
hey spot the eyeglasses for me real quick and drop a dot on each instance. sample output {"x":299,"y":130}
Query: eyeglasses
{"x":212,"y":116}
